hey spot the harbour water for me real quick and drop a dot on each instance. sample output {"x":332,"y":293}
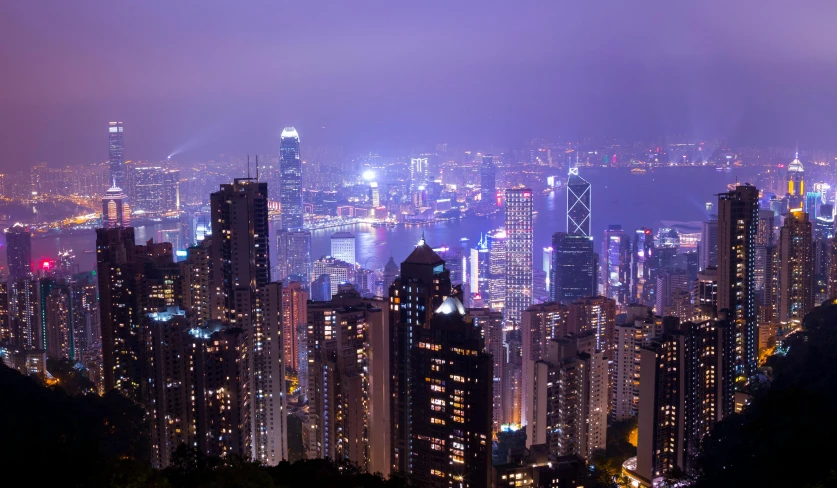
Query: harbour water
{"x":619,"y":197}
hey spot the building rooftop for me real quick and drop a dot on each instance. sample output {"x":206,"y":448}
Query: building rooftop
{"x":423,"y":254}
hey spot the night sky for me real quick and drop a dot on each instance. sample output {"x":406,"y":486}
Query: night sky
{"x":205,"y":77}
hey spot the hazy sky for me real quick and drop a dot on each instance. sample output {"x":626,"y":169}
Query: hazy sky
{"x":208,"y":77}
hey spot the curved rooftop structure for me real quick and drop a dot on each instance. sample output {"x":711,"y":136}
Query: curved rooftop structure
{"x":796,"y":165}
{"x":289,"y":132}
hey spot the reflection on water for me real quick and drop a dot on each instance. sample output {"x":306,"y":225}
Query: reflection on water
{"x":619,"y":197}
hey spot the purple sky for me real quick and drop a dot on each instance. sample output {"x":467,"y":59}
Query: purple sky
{"x":211,"y":77}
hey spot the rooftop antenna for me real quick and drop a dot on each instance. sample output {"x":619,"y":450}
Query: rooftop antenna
{"x":257,"y":167}
{"x":248,"y":166}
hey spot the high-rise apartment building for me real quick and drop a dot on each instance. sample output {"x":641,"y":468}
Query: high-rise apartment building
{"x":290,"y":184}
{"x":116,"y":155}
{"x":796,"y":269}
{"x":491,"y":324}
{"x":338,"y":272}
{"x":58,"y":324}
{"x":25,"y":314}
{"x":540,"y":324}
{"x":421,"y":288}
{"x":19,"y":252}
{"x":450,"y":441}
{"x":642,"y":267}
{"x":686,"y":387}
{"x":737,"y":228}
{"x":519,"y":253}
{"x":596,"y":314}
{"x":294,"y":319}
{"x":294,"y":255}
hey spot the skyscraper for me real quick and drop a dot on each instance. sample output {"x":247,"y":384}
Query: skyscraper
{"x":796,"y":269}
{"x":642,"y":267}
{"x":450,"y":442}
{"x":579,"y":205}
{"x":708,"y":245}
{"x":575,"y":270}
{"x":488,"y":181}
{"x":294,"y":255}
{"x":241,"y":267}
{"x":519,"y":252}
{"x":419,"y":172}
{"x":116,"y":155}
{"x":343,"y":247}
{"x":19,"y":252}
{"x":290,"y":184}
{"x":419,"y":291}
{"x":150,"y":192}
{"x":491,"y":324}
{"x":540,"y":324}
{"x":497,"y":267}
{"x":796,"y":184}
{"x":737,"y":227}
{"x":616,"y":265}
{"x":115,"y":209}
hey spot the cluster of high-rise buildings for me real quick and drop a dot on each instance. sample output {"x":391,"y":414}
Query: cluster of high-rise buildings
{"x":416,"y":368}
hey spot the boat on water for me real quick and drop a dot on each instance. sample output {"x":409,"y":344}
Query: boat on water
{"x":638,"y":171}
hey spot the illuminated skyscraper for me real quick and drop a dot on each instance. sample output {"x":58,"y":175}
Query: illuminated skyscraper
{"x":642,"y":267}
{"x":290,"y":184}
{"x":519,"y":252}
{"x":116,"y":155}
{"x":294,"y":255}
{"x":419,"y":172}
{"x":19,"y":252}
{"x":491,"y":324}
{"x":488,"y":180}
{"x":708,"y":250}
{"x":737,"y":226}
{"x":579,"y":205}
{"x":575,"y":271}
{"x":796,"y":184}
{"x":616,"y":265}
{"x":497,"y":259}
{"x":539,"y":325}
{"x":343,"y":247}
{"x":796,"y":269}
{"x":115,"y":209}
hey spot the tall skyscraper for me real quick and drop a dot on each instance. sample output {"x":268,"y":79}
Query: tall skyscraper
{"x":642,"y":267}
{"x":796,"y":269}
{"x":419,"y":172}
{"x":686,"y":387}
{"x":294,"y":255}
{"x":116,"y":155}
{"x":115,"y":209}
{"x":290,"y":184}
{"x":450,"y":442}
{"x":616,"y":265}
{"x":25,"y":314}
{"x":796,"y":184}
{"x":294,"y":318}
{"x":575,"y":270}
{"x":58,"y":324}
{"x":19,"y":252}
{"x":496,"y":242}
{"x":419,"y":291}
{"x":488,"y":181}
{"x":520,"y":253}
{"x":737,"y":228}
{"x":579,"y":205}
{"x":343,"y":247}
{"x":338,"y":272}
{"x":252,"y":303}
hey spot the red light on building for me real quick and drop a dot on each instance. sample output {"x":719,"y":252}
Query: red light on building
{"x":46,"y":264}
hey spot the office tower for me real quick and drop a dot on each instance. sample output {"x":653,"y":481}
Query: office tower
{"x":686,"y":387}
{"x":488,"y":181}
{"x":670,"y":284}
{"x":642,"y":254}
{"x":575,"y":271}
{"x":420,"y":290}
{"x":708,"y":245}
{"x":579,"y":205}
{"x":539,"y":325}
{"x":796,"y":184}
{"x":479,"y":269}
{"x":796,"y":269}
{"x":491,"y":324}
{"x":616,"y":265}
{"x":294,"y":318}
{"x":25,"y":314}
{"x":241,"y":267}
{"x":294,"y":255}
{"x":568,"y":403}
{"x":338,"y":388}
{"x":148,"y":187}
{"x":519,"y":253}
{"x":19,"y":252}
{"x":737,"y":228}
{"x":596,"y":314}
{"x":5,"y":326}
{"x":546,"y":266}
{"x":338,"y":272}
{"x":497,"y":267}
{"x":58,"y":324}
{"x":419,"y":173}
{"x":290,"y":184}
{"x":115,"y":209}
{"x":343,"y":247}
{"x":374,"y":194}
{"x":116,"y":155}
{"x":451,"y":387}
